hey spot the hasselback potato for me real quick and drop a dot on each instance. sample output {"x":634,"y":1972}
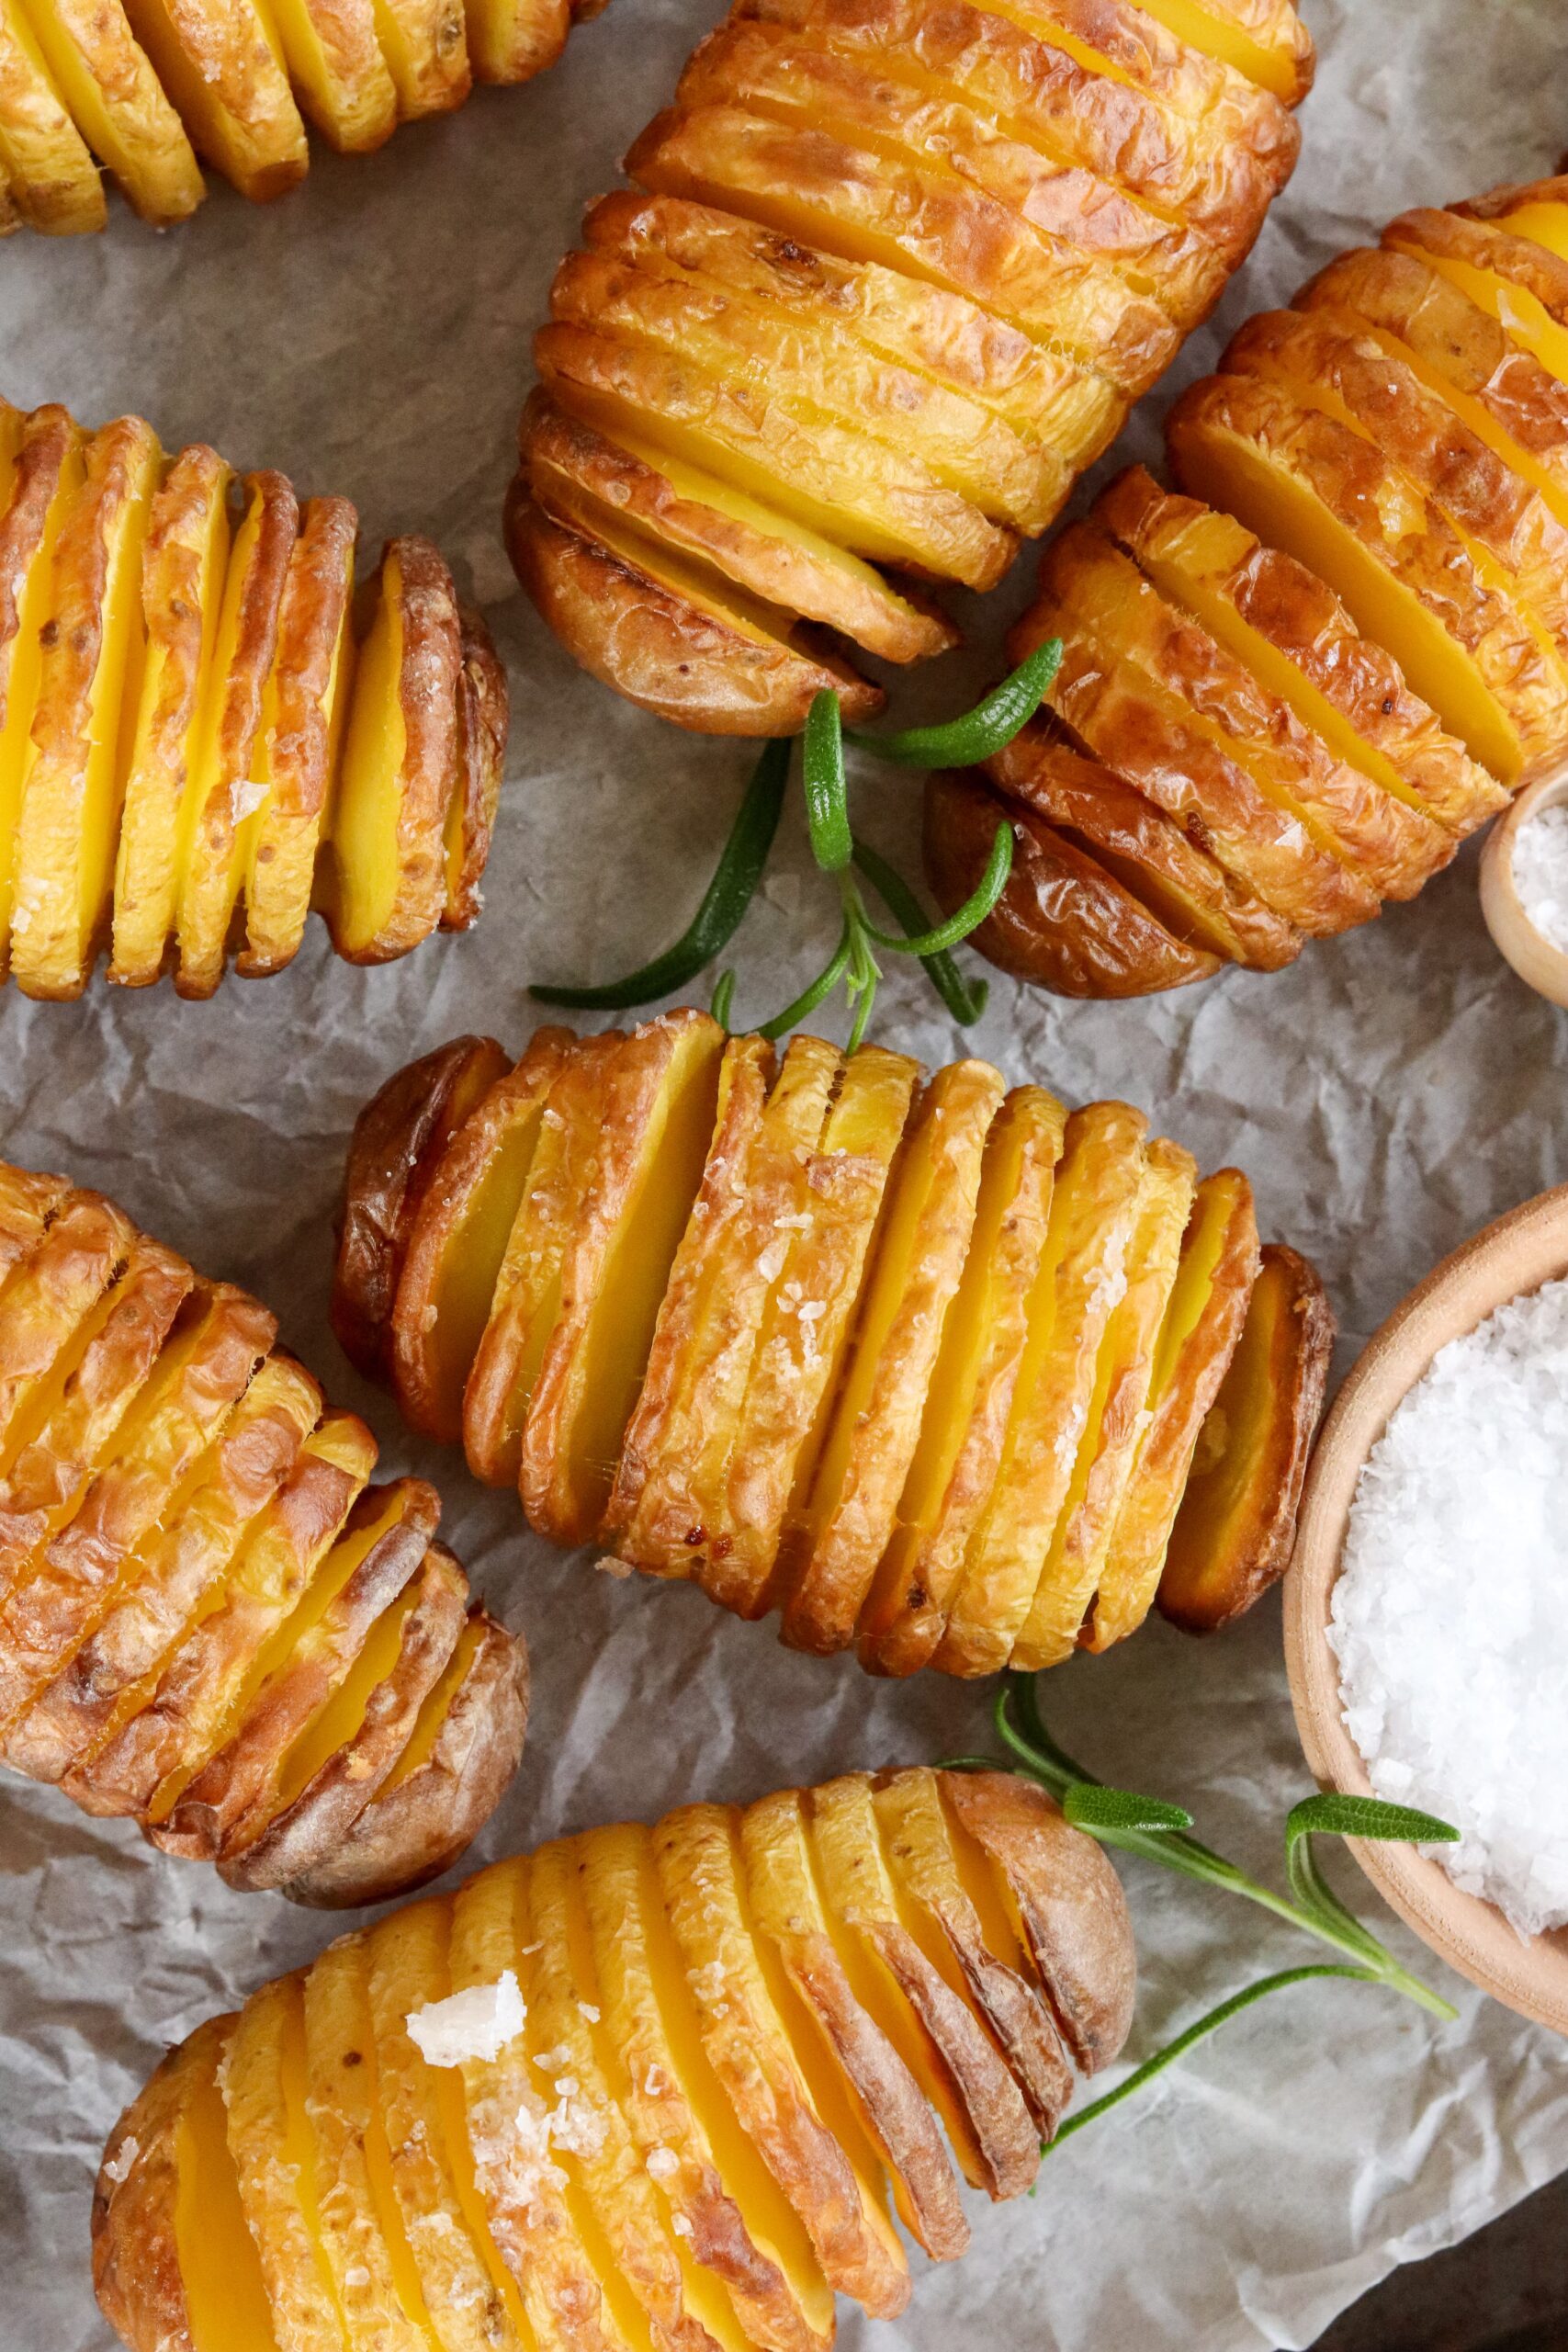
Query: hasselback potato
{"x":204,"y":731}
{"x":144,"y":87}
{"x":895,"y":272}
{"x":210,"y":1621}
{"x":1294,"y":685}
{"x":641,"y":2088}
{"x":926,"y":1367}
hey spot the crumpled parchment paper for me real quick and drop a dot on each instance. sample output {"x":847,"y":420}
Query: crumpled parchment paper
{"x":1388,"y":1094}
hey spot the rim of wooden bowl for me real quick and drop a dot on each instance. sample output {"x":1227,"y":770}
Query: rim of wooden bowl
{"x":1518,"y":1253}
{"x":1540,"y":966}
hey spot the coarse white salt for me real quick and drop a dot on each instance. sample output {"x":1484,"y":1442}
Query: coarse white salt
{"x":1450,"y":1612}
{"x":478,"y":2022}
{"x":118,"y":2169}
{"x":1540,"y":874}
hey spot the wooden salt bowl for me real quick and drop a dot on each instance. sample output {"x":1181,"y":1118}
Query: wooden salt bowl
{"x":1539,"y":964}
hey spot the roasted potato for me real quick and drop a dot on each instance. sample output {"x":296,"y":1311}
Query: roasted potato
{"x":893,"y":278}
{"x":640,"y":2084}
{"x":809,"y":1330}
{"x":199,"y":739}
{"x":1338,"y":649}
{"x":210,"y":1621}
{"x":147,"y":86}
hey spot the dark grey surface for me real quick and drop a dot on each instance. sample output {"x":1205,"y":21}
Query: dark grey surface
{"x":1505,"y":2290}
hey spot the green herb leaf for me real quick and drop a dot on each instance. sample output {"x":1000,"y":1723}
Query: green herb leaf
{"x":965,"y":1000}
{"x":808,"y":1000}
{"x":735,"y":877}
{"x":1088,"y":1805}
{"x":826,"y":795}
{"x":723,"y":996}
{"x":1333,"y":1816}
{"x":964,"y":919}
{"x":980,"y":733}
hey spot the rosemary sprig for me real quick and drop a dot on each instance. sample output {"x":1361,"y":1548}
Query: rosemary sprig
{"x":975,"y":735}
{"x":1160,"y":1832}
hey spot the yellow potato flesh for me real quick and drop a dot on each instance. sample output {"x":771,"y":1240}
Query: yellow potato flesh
{"x":509,"y":41}
{"x":133,"y":129}
{"x":225,"y":2297}
{"x":338,"y":1721}
{"x":1544,"y":224}
{"x":272,"y":2157}
{"x":1227,"y":472}
{"x":25,"y":667}
{"x":436,"y":1708}
{"x":1527,"y":320}
{"x":298,"y":2150}
{"x":616,"y":1345}
{"x":355,"y":109}
{"x":149,"y":857}
{"x":332,"y":1574}
{"x":364,"y":818}
{"x":1219,"y":37}
{"x":52,"y":175}
{"x":279,"y":855}
{"x":464,"y":1291}
{"x":208,"y":890}
{"x":260,"y":153}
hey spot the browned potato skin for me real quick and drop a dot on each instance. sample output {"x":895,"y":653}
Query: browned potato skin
{"x":136,"y":2265}
{"x":1062,"y":920}
{"x":483,"y":717}
{"x":1215,"y":1570}
{"x":398,"y":1139}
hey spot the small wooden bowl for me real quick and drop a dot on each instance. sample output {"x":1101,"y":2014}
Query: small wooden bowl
{"x":1539,"y":964}
{"x":1522,"y":1250}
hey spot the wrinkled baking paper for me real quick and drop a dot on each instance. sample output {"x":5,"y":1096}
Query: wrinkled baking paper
{"x":1388,"y":1094}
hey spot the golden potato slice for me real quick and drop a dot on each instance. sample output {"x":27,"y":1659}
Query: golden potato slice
{"x":460,"y":1756}
{"x":849,"y":1503}
{"x":743,"y":2229}
{"x":114,"y":96}
{"x":185,"y":561}
{"x":573,"y":2302}
{"x":671,"y":1511}
{"x":1041,"y":393}
{"x":458,"y":1237}
{"x":763,"y":552}
{"x":863,"y":494}
{"x":339,"y":73}
{"x":1064,"y":920}
{"x":376,"y":2283}
{"x":859,"y":188}
{"x":425,"y":45}
{"x":529,"y":1286}
{"x":1309,"y":486}
{"x":387,"y":886}
{"x":473,"y":2302}
{"x":959,"y":1916}
{"x":222,"y":792}
{"x":946,"y":2048}
{"x":656,"y":1098}
{"x":270,"y":2142}
{"x":1140,"y":680}
{"x":963,"y":1426}
{"x":803,"y":2127}
{"x":301,"y":1666}
{"x":947,"y":450}
{"x":43,"y":476}
{"x":170,"y":1578}
{"x":1188,"y":890}
{"x":1123,"y":258}
{"x":220,"y":63}
{"x":1203,"y":1323}
{"x":1064,"y":106}
{"x":342,"y":1757}
{"x":815,"y":1295}
{"x":511,"y":40}
{"x":54,"y":180}
{"x":1234,"y":1530}
{"x":46,"y":1310}
{"x":781,"y":1890}
{"x":400,"y":1141}
{"x":1081,"y":1279}
{"x":201,"y":1373}
{"x":1118,"y":1413}
{"x":1292,"y":631}
{"x":671,"y":637}
{"x":92,"y":636}
{"x":1264,"y":40}
{"x":1520,"y":283}
{"x":299,"y":741}
{"x":483,"y":715}
{"x":26,"y":1203}
{"x":208,"y":1680}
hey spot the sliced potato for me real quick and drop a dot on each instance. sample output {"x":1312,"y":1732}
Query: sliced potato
{"x":220,"y":63}
{"x":113,"y":94}
{"x":1521,"y":284}
{"x":54,"y":182}
{"x":44,"y":478}
{"x":49,"y":1302}
{"x":1233,"y":1531}
{"x":483,"y":713}
{"x":1264,"y":40}
{"x":270,"y":2142}
{"x":335,"y":64}
{"x":425,"y":45}
{"x":511,"y":40}
{"x":26,"y":1203}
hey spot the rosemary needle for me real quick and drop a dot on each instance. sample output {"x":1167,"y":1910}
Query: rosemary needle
{"x":980,"y":733}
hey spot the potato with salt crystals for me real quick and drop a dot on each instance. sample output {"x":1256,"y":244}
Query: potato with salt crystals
{"x":893,"y":276}
{"x":210,"y":1621}
{"x":195,"y":749}
{"x":55,"y":184}
{"x":683,"y":2127}
{"x":921,"y":1366}
{"x":1356,"y":588}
